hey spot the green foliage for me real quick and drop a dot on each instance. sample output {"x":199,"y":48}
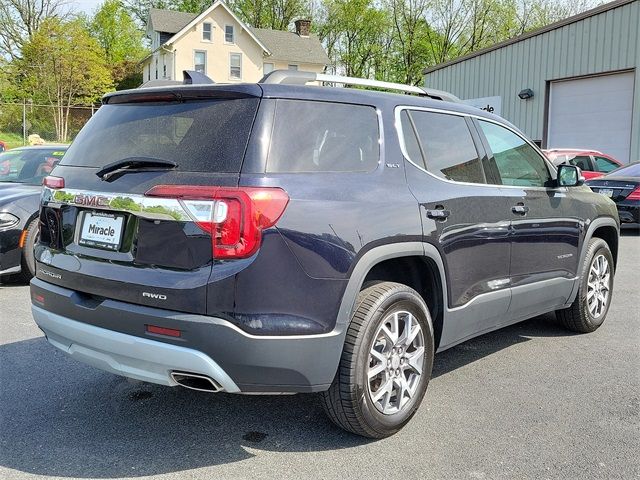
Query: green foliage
{"x":122,"y":41}
{"x":12,"y":140}
{"x":274,"y":14}
{"x":62,"y":65}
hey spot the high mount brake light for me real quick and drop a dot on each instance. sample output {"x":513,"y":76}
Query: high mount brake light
{"x":53,"y":182}
{"x":234,"y":216}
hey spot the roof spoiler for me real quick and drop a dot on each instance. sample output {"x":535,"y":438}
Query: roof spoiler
{"x":190,"y":77}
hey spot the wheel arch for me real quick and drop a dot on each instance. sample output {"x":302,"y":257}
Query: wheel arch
{"x":608,"y":230}
{"x":415,"y":264}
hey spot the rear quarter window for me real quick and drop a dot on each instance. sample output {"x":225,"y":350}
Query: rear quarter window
{"x":311,"y":136}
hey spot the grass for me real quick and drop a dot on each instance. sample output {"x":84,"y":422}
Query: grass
{"x":11,"y":139}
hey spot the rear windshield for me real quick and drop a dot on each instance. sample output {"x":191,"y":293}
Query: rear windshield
{"x":200,"y":136}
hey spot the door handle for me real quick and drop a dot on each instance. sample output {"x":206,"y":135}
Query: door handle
{"x":520,"y":209}
{"x":438,"y":214}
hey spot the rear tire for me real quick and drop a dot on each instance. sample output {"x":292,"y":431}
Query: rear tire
{"x":28,"y":262}
{"x":589,"y":310}
{"x":386,"y":362}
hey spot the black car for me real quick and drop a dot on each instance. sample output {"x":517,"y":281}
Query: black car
{"x":623,"y":187}
{"x":277,"y":237}
{"x":21,"y":173}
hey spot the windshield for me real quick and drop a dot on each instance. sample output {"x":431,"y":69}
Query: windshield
{"x":199,"y":136}
{"x":632,"y":170}
{"x":28,"y":166}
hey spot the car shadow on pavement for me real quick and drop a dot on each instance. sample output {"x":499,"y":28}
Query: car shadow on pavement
{"x":62,"y":418}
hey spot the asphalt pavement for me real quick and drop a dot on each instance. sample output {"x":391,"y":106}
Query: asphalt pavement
{"x":531,"y":401}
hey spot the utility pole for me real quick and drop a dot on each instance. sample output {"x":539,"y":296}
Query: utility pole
{"x":24,"y":121}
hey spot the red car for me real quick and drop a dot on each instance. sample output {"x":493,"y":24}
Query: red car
{"x":592,"y":163}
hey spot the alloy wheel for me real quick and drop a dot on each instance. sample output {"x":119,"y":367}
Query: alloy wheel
{"x":598,"y":286}
{"x":396,"y":360}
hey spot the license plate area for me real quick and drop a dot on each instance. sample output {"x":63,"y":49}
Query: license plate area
{"x":101,"y":230}
{"x":607,"y":192}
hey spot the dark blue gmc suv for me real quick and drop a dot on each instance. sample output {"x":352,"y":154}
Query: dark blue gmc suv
{"x":282,"y":237}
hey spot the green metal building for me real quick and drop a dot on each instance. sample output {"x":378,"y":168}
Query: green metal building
{"x":578,"y":79}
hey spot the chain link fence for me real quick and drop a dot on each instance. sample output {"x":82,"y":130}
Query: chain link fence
{"x":20,"y":120}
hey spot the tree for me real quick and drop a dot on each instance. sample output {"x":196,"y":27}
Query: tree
{"x":63,"y":66}
{"x":121,"y":40}
{"x":273,"y":14}
{"x":20,"y":20}
{"x":140,"y":8}
{"x":355,"y":32}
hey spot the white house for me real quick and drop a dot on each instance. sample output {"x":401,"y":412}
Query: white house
{"x":218,"y":44}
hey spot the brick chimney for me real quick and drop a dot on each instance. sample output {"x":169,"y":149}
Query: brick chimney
{"x":303,"y":27}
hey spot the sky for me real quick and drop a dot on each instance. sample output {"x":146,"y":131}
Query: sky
{"x":87,"y":6}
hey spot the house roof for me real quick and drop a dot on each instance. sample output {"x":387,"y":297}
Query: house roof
{"x":291,"y":47}
{"x":567,"y":21}
{"x":168,"y":21}
{"x":280,"y":45}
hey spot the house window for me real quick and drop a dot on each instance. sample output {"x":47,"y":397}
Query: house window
{"x":164,"y":71}
{"x":267,"y":68}
{"x":292,"y":67}
{"x":200,"y":61}
{"x":206,"y":32}
{"x":229,"y":36}
{"x":235,"y":66}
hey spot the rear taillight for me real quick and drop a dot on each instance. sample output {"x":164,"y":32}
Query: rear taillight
{"x":635,"y":195}
{"x":235,"y":217}
{"x":53,"y":182}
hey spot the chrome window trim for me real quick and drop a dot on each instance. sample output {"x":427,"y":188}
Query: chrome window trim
{"x":398,"y":126}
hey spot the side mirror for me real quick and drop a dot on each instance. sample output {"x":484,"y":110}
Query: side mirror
{"x":570,"y":176}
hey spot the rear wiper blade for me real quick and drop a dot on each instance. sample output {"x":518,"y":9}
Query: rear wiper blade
{"x":132,"y":163}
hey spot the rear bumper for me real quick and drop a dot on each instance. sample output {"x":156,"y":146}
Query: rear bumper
{"x":126,"y":355}
{"x":112,"y":335}
{"x":629,"y":211}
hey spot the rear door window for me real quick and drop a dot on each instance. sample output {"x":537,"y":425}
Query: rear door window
{"x":517,"y":162}
{"x":444,"y":145}
{"x":313,"y":136}
{"x":581,"y":161}
{"x":604,"y":164}
{"x":200,"y":136}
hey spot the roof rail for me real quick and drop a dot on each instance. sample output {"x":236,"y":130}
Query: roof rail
{"x":298,"y":77}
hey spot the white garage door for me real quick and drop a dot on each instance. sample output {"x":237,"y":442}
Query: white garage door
{"x":592,"y":113}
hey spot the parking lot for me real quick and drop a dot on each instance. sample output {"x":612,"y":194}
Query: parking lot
{"x":529,"y":401}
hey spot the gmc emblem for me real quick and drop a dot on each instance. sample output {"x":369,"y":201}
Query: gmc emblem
{"x":91,"y":200}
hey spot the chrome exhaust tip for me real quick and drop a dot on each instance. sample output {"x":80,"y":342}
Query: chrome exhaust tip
{"x":195,"y":381}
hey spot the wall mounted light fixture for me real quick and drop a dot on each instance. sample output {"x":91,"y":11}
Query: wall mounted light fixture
{"x":526,"y":94}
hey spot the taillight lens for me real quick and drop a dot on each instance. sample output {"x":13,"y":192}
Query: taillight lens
{"x":234,"y":216}
{"x":635,"y":195}
{"x":53,"y":182}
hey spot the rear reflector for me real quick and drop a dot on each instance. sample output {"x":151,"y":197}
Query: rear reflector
{"x":38,"y":298}
{"x":635,"y":195}
{"x":235,"y":217}
{"x":170,"y":332}
{"x":53,"y":182}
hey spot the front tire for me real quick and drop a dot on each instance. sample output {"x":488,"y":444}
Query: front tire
{"x":28,"y":262}
{"x":386,"y":362}
{"x":589,"y":310}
